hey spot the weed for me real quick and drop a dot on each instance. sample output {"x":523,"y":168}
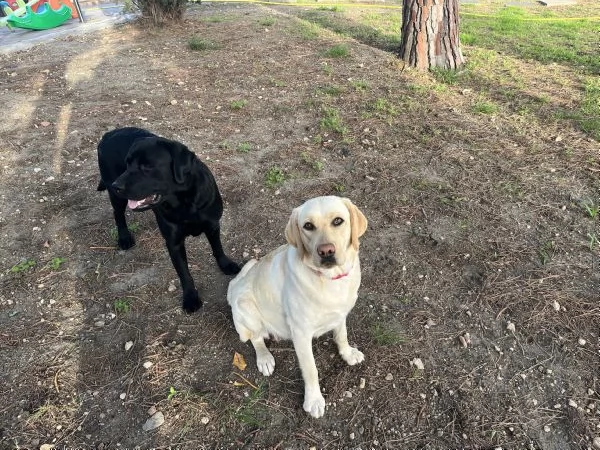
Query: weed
{"x":197,"y":43}
{"x":339,"y":187}
{"x":384,"y":107}
{"x":134,"y":227}
{"x":333,"y":8}
{"x":338,"y":51}
{"x":55,"y":263}
{"x":238,"y":104}
{"x":23,"y":266}
{"x":274,"y":177}
{"x":172,"y":393}
{"x":267,"y":21}
{"x":327,"y":69}
{"x":446,"y":76}
{"x":591,"y":209}
{"x":546,"y":252}
{"x":359,"y":85}
{"x":485,"y":107}
{"x":332,"y":121}
{"x":331,"y":90}
{"x":250,"y":410}
{"x":593,"y":240}
{"x":122,"y":305}
{"x":244,"y":147}
{"x":386,"y":336}
{"x":309,"y":31}
{"x":213,"y":19}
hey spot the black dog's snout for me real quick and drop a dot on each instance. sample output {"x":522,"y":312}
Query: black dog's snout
{"x":118,"y":187}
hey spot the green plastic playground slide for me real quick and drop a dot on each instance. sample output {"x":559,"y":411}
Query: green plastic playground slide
{"x":49,"y":18}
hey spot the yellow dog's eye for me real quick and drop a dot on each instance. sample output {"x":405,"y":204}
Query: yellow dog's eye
{"x":337,"y":221}
{"x":308,"y":226}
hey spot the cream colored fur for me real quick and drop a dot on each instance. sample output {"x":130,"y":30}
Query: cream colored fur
{"x":293,"y":294}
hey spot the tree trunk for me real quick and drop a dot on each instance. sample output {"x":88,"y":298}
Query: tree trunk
{"x":430,"y":34}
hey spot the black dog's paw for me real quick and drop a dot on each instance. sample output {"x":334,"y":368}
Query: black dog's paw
{"x":191,"y":302}
{"x":227,"y":266}
{"x":126,"y":241}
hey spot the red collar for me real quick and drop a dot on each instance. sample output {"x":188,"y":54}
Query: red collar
{"x":337,"y":277}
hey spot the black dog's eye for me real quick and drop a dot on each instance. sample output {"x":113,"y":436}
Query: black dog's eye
{"x":337,"y":221}
{"x":308,"y":226}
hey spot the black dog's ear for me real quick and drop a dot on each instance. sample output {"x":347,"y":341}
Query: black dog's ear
{"x":182,"y":160}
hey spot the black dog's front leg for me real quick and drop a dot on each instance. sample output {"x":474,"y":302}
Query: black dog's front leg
{"x":227,"y":266}
{"x":125,"y":238}
{"x":191,"y":300}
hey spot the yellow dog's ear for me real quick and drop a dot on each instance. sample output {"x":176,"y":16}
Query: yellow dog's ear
{"x":292,"y":232}
{"x":358,"y":222}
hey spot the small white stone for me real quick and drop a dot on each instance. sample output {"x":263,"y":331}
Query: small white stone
{"x":389,"y":377}
{"x":572,"y":403}
{"x":128,"y":345}
{"x":423,"y":396}
{"x":510,"y":327}
{"x":556,"y":305}
{"x":122,"y":396}
{"x":347,"y":394}
{"x":173,"y":102}
{"x":171,"y":288}
{"x":153,"y":422}
{"x":351,"y":436}
{"x":547,"y":428}
{"x":581,"y":341}
{"x":417,"y":363}
{"x":147,"y":364}
{"x":99,"y":323}
{"x":204,"y":420}
{"x":362,"y":383}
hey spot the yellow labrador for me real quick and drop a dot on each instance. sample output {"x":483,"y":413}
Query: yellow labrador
{"x":303,"y":289}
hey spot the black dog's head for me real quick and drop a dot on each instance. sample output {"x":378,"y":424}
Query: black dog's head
{"x":156,"y":169}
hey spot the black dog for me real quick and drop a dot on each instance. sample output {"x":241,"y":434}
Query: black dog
{"x":144,"y":171}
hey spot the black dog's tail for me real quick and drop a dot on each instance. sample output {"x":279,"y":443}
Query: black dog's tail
{"x":101,"y":186}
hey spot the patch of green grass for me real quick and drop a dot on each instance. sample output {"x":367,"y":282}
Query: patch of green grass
{"x":332,"y":121}
{"x":238,"y":104}
{"x":593,"y":240}
{"x":587,"y":115}
{"x":446,"y":76}
{"x":308,"y":31}
{"x":134,"y":227}
{"x":337,"y":51}
{"x":316,"y":164}
{"x":339,"y":187}
{"x":327,"y":69}
{"x":197,"y":43}
{"x":122,"y":305}
{"x":213,"y":19}
{"x":384,"y":108}
{"x":55,"y":263}
{"x":546,"y":252}
{"x":250,"y":412}
{"x":267,"y":21}
{"x":485,"y":107}
{"x":23,"y":266}
{"x":332,"y":8}
{"x":244,"y":147}
{"x":386,"y":336}
{"x":331,"y":90}
{"x":591,"y":209}
{"x":517,"y":32}
{"x":274,"y":177}
{"x":359,"y":85}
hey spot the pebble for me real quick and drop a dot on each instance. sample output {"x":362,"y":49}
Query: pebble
{"x":389,"y":377}
{"x":351,"y":436}
{"x":154,"y":422}
{"x":363,"y":383}
{"x":547,"y":428}
{"x":122,"y":396}
{"x":510,"y":327}
{"x":46,"y":447}
{"x":581,"y":341}
{"x":417,"y":363}
{"x":128,"y":345}
{"x":556,"y":305}
{"x":572,"y":403}
{"x":171,"y":288}
{"x":347,"y":394}
{"x":173,"y":102}
{"x":152,"y":410}
{"x":204,"y":420}
{"x":147,"y":364}
{"x":99,"y":323}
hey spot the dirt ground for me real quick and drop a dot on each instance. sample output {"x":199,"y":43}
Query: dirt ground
{"x":479,"y":259}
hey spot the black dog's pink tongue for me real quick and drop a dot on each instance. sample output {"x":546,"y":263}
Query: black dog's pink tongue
{"x":133,"y":203}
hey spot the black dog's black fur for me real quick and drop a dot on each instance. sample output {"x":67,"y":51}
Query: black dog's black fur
{"x":146,"y":171}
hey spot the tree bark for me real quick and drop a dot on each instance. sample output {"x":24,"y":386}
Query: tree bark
{"x":430,"y":34}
